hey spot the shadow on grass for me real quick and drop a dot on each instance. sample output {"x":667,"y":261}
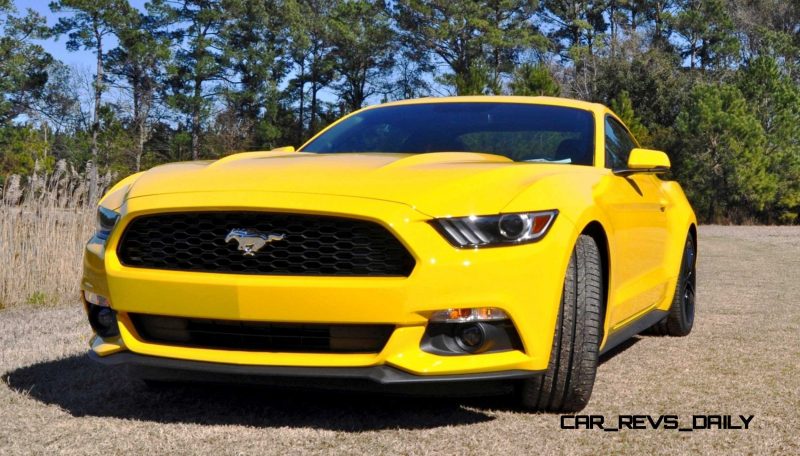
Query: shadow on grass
{"x":619,"y":349}
{"x":83,"y":388}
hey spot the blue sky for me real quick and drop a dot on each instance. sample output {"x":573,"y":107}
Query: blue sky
{"x":57,"y":47}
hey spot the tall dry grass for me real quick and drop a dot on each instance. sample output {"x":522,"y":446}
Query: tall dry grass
{"x":45,"y":221}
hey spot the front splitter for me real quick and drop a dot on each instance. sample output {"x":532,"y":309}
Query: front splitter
{"x":372,"y":378}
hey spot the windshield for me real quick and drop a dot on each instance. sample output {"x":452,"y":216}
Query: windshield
{"x":521,"y":132}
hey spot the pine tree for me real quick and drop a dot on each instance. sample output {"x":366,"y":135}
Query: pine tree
{"x":533,"y":79}
{"x":255,"y":46}
{"x":775,"y":100}
{"x":23,"y":64}
{"x":87,"y":26}
{"x":706,"y":31}
{"x":311,"y":51}
{"x":197,"y":64}
{"x":720,"y":155}
{"x":139,"y":63}
{"x":623,"y":107}
{"x":363,"y":49}
{"x":476,"y":40}
{"x":575,"y":24}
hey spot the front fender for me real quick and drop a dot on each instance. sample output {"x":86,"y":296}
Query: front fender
{"x":575,"y":196}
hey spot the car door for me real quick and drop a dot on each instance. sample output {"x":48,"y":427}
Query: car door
{"x":636,"y":207}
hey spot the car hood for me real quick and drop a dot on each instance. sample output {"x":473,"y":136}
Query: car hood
{"x":436,"y":184}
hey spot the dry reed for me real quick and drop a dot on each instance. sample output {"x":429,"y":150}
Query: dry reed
{"x":45,"y":221}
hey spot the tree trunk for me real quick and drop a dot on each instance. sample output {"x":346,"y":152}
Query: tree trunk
{"x":312,"y":121}
{"x":196,"y":134}
{"x":142,"y":102}
{"x":196,"y":119}
{"x":141,"y":137}
{"x":46,"y":144}
{"x":612,"y":22}
{"x":137,"y":90}
{"x":98,"y":94}
{"x":302,"y":84}
{"x":359,"y":95}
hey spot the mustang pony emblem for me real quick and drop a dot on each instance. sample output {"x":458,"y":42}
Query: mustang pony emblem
{"x":251,"y":241}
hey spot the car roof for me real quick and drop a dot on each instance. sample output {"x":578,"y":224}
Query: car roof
{"x":550,"y":101}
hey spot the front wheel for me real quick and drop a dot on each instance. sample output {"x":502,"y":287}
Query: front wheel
{"x":680,"y":319}
{"x":567,"y":384}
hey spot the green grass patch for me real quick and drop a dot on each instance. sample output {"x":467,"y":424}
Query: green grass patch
{"x":37,"y":298}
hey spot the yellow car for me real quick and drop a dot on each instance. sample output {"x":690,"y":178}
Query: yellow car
{"x":463,"y":242}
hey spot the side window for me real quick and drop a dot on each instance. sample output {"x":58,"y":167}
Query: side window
{"x":619,"y":144}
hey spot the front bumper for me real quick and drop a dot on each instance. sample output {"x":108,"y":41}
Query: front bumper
{"x":524,"y":281}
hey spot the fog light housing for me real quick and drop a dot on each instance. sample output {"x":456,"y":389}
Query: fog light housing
{"x":470,"y":337}
{"x":103,"y":321}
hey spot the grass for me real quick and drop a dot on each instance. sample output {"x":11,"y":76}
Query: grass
{"x":743,"y":357}
{"x":41,"y":249}
{"x":45,"y":220}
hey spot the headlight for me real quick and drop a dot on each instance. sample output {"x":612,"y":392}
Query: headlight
{"x":496,"y":230}
{"x":106,"y":219}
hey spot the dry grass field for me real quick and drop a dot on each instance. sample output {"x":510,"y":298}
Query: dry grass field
{"x":45,"y":220}
{"x":46,"y":243}
{"x":742,"y":358}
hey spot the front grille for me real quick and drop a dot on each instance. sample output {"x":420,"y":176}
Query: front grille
{"x":261,"y":336}
{"x":310,"y":245}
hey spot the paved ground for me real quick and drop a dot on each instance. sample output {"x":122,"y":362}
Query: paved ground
{"x":743,"y":358}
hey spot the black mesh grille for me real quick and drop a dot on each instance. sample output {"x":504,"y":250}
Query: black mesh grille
{"x":261,"y":336}
{"x":311,"y":245}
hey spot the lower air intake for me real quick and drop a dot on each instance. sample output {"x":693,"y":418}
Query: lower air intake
{"x":261,"y":336}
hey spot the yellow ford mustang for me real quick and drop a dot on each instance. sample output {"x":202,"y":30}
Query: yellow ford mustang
{"x":468,"y":241}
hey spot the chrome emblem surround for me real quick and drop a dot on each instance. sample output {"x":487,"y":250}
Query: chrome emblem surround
{"x":251,"y":241}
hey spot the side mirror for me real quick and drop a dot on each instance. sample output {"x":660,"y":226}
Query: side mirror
{"x":645,"y":161}
{"x":283,"y":149}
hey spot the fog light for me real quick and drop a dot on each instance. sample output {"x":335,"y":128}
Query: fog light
{"x":471,"y":337}
{"x":468,"y":315}
{"x":103,"y":321}
{"x":105,"y":318}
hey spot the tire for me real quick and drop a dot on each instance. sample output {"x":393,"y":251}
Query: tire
{"x":567,"y":384}
{"x":680,"y":319}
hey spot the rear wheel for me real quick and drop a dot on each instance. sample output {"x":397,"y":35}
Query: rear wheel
{"x":567,"y":384}
{"x":680,"y":319}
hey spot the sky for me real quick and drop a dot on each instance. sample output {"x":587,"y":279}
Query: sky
{"x":57,"y":46}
